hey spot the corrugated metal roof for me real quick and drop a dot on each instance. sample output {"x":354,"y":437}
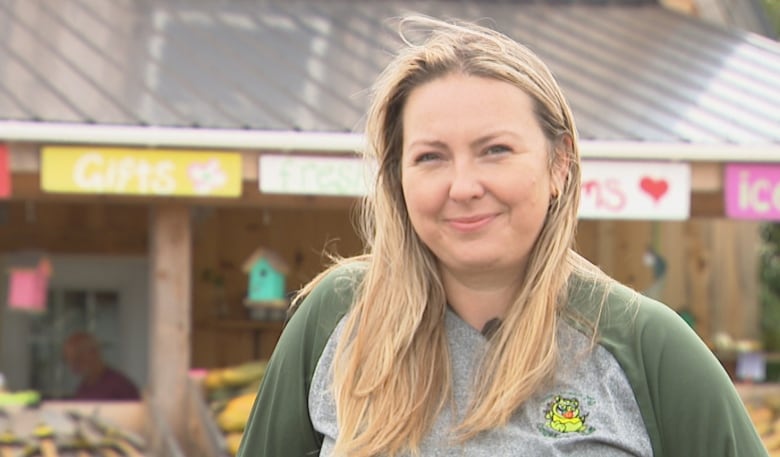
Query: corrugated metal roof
{"x":632,"y":70}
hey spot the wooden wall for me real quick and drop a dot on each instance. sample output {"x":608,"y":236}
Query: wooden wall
{"x":74,"y":228}
{"x":711,"y":267}
{"x":224,"y":238}
{"x":711,"y":262}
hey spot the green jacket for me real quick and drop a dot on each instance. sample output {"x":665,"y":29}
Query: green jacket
{"x":689,"y":405}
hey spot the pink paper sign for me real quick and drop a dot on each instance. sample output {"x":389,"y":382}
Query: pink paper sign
{"x":752,"y":191}
{"x":5,"y":172}
{"x":27,"y":289}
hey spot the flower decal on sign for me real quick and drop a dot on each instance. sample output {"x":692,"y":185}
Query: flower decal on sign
{"x":207,"y":176}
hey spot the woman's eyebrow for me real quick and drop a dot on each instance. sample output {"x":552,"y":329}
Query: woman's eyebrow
{"x":427,"y":143}
{"x":481,"y":141}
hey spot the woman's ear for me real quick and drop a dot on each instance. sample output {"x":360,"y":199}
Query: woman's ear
{"x":559,"y":170}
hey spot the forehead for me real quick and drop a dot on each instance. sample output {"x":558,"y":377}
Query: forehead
{"x":458,"y":102}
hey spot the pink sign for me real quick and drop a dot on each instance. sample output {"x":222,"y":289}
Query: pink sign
{"x":27,"y":291}
{"x":5,"y":172}
{"x":753,"y":191}
{"x":27,"y":288}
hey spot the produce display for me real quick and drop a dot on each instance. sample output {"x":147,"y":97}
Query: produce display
{"x":767,"y":422}
{"x":34,"y":430}
{"x":763,"y":405}
{"x":19,"y":398}
{"x":230,"y":393}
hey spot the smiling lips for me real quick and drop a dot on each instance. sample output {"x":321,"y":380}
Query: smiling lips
{"x":470,"y":223}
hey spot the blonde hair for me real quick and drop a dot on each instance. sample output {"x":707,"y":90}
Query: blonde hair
{"x":391,"y":369}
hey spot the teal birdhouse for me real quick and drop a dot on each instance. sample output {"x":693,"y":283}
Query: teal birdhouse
{"x":267,"y":272}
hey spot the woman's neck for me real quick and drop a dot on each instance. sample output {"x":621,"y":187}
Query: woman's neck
{"x":478,"y":299}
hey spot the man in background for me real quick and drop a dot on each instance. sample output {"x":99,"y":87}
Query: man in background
{"x":98,"y":380}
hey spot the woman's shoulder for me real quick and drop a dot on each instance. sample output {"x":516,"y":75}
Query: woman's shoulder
{"x":332,"y":292}
{"x":646,"y":336}
{"x":323,"y":304}
{"x":615,"y":309}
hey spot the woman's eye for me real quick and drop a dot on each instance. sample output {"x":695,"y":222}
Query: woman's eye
{"x":426,"y":157}
{"x":497,"y":149}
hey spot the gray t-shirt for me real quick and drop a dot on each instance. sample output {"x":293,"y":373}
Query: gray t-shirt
{"x":590,"y":410}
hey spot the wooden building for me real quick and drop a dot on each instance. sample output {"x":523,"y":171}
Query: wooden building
{"x":178,"y":81}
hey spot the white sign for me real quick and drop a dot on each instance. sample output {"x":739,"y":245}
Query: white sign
{"x":311,"y":175}
{"x":610,"y":189}
{"x":635,"y":190}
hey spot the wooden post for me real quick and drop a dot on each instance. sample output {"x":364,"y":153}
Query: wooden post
{"x":605,"y":253}
{"x":672,"y":240}
{"x":748,"y":239}
{"x":699,"y":273}
{"x":169,"y":314}
{"x":725,"y":313}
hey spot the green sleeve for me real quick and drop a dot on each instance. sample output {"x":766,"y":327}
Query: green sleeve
{"x":689,"y":404}
{"x":279,"y":424}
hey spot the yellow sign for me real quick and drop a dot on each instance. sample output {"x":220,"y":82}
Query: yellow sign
{"x":127,"y":171}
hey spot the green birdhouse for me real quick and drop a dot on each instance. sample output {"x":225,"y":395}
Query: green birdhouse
{"x":267,"y":272}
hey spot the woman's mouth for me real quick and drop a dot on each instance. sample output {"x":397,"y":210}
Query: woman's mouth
{"x":470,"y":223}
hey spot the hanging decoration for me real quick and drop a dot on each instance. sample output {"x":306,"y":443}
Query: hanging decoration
{"x":267,"y":271}
{"x":28,"y":287}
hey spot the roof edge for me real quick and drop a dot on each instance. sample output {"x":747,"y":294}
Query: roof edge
{"x":345,"y":143}
{"x":682,"y":152}
{"x":177,"y":137}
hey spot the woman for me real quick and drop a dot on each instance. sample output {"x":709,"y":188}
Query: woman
{"x":470,"y":327}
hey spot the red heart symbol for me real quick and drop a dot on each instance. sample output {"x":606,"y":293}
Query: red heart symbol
{"x":656,"y":188}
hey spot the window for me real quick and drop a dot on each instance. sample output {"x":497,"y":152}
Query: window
{"x":71,"y":310}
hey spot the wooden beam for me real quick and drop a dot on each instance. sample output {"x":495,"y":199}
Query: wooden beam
{"x":170,"y":321}
{"x":707,"y":205}
{"x":699,"y":274}
{"x":26,"y":186}
{"x":706,"y":177}
{"x":605,"y":252}
{"x":749,"y":246}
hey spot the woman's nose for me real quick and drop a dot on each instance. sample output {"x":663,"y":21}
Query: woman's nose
{"x":466,"y":183}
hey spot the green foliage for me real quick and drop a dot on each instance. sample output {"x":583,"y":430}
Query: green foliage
{"x":769,"y":290}
{"x":772,"y":8}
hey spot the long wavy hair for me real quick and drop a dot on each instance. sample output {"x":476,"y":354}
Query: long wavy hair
{"x":391,"y":370}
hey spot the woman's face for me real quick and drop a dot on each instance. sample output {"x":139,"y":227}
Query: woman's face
{"x":475,"y":173}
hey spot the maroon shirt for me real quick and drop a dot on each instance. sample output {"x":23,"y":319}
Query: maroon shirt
{"x":112,"y":385}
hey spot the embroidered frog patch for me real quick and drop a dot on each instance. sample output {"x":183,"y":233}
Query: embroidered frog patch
{"x":564,"y":415}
